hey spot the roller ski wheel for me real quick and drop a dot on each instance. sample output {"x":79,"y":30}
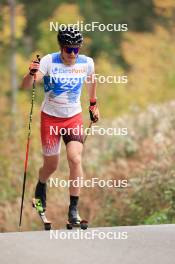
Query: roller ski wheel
{"x":83,"y":224}
{"x":36,"y":203}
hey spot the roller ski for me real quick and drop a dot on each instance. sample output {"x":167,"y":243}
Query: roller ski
{"x":36,"y":203}
{"x":74,"y":220}
{"x":39,"y":203}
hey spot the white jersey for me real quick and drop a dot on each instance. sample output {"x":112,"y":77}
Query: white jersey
{"x":63,"y":84}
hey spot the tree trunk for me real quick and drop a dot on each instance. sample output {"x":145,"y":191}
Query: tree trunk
{"x":13,"y":73}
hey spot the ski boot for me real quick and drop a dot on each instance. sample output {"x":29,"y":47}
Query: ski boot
{"x":40,"y":193}
{"x":74,"y":220}
{"x":39,"y":203}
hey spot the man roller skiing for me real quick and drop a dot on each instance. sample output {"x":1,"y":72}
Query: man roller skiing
{"x":64,"y":73}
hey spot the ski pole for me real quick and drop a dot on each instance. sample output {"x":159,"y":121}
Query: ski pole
{"x":90,"y":124}
{"x":27,"y":148}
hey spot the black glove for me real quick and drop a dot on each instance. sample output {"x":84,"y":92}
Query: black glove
{"x":92,"y":109}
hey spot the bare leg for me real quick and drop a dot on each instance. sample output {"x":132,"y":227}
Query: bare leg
{"x":74,"y":154}
{"x":50,"y":164}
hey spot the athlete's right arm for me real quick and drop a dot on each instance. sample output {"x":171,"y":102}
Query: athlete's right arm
{"x":37,"y":68}
{"x":28,"y":79}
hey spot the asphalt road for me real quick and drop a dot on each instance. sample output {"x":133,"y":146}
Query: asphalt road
{"x":124,"y":245}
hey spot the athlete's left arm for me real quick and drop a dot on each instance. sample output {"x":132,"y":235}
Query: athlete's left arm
{"x":91,"y":85}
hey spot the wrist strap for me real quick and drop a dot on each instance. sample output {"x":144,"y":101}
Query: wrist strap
{"x":93,"y":102}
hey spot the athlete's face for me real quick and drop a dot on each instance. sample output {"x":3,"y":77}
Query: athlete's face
{"x":69,"y":54}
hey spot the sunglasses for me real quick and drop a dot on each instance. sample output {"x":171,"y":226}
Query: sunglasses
{"x":70,"y":50}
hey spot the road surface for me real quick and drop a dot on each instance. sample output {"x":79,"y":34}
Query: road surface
{"x":123,"y":245}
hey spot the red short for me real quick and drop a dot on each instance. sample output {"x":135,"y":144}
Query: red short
{"x":52,"y":128}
